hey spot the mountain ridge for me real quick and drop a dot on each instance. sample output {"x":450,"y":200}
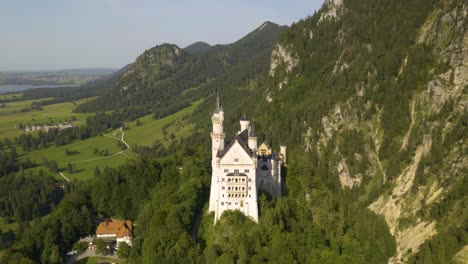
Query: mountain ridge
{"x":197,"y":47}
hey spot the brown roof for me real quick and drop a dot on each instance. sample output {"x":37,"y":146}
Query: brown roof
{"x":119,"y":228}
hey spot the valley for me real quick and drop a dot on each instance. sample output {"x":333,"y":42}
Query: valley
{"x":177,"y":155}
{"x":101,"y":151}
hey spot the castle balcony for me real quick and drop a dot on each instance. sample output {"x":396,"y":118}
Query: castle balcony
{"x":237,"y":185}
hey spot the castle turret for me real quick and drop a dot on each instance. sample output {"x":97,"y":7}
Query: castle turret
{"x":244,"y":123}
{"x":217,"y":135}
{"x":283,"y":153}
{"x":253,"y":139}
{"x":217,"y":145}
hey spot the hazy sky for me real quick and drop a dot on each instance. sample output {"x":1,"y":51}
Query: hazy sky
{"x":57,"y":34}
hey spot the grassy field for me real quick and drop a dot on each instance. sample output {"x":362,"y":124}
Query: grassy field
{"x":85,"y":160}
{"x":151,"y":130}
{"x":7,"y":227}
{"x":10,"y":116}
{"x":10,"y":96}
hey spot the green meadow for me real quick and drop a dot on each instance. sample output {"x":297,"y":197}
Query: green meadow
{"x":11,"y":115}
{"x":11,"y":96}
{"x":85,"y":160}
{"x":152,"y":130}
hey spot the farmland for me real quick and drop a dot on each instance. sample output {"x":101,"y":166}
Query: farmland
{"x":103,"y":150}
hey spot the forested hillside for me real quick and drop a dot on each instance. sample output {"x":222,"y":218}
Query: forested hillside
{"x":375,"y":93}
{"x":167,"y":78}
{"x":370,"y":96}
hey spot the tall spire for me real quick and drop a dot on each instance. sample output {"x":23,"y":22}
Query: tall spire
{"x":218,"y":105}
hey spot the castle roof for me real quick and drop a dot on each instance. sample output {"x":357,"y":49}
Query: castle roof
{"x":244,"y":118}
{"x":243,"y":139}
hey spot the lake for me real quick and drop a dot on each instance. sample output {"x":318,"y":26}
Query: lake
{"x":13,"y":88}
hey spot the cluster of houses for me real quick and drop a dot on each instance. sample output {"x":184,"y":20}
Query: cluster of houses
{"x":59,"y":126}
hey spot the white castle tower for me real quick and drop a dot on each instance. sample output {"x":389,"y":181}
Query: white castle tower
{"x":240,"y":169}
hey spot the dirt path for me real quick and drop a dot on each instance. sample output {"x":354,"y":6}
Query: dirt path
{"x":106,"y":157}
{"x":65,"y":177}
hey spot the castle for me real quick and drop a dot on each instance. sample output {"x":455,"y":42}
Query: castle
{"x":240,"y":169}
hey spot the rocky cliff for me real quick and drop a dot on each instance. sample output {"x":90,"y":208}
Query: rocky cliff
{"x":389,"y":111}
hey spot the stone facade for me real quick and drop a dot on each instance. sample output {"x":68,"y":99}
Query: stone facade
{"x":240,"y":170}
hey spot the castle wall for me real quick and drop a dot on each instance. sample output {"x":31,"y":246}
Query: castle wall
{"x":238,"y":174}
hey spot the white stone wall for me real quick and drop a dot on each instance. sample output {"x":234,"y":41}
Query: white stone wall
{"x":222,"y":198}
{"x":237,"y":176}
{"x":125,"y":239}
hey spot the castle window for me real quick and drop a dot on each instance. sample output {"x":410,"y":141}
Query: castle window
{"x":243,"y":188}
{"x":236,"y":203}
{"x":236,"y":171}
{"x":249,"y":195}
{"x":229,"y":203}
{"x":223,"y":195}
{"x":223,"y":179}
{"x":229,"y":188}
{"x":250,"y":188}
{"x":246,"y":171}
{"x":226,"y":170}
{"x":250,"y":180}
{"x":222,"y":203}
{"x":236,"y":160}
{"x":236,"y":179}
{"x":229,"y":179}
{"x":223,"y":188}
{"x":243,"y":179}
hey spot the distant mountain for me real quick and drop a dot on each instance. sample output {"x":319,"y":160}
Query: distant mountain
{"x":197,"y":47}
{"x":166,"y":77}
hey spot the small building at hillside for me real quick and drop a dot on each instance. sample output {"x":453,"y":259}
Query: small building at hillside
{"x":240,"y":169}
{"x":115,"y":231}
{"x":59,"y":126}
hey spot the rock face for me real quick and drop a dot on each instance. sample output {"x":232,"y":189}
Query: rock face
{"x":435,"y":110}
{"x":444,"y":89}
{"x":331,"y":8}
{"x":282,"y":56}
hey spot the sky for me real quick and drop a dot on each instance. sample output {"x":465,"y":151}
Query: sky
{"x":70,"y":34}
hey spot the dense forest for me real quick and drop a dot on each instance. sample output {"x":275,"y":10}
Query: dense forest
{"x":368,"y":95}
